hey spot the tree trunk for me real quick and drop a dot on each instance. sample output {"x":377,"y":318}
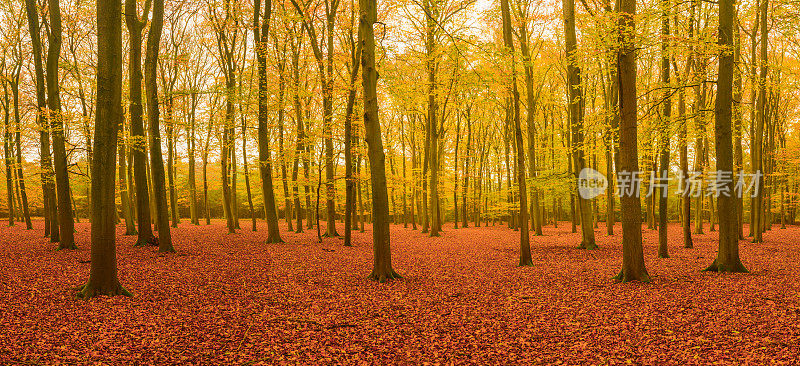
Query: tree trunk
{"x":686,"y":201}
{"x":525,"y":246}
{"x":666,"y":119}
{"x":728,"y":253}
{"x":535,"y":213}
{"x":287,"y":212}
{"x":103,"y":271}
{"x":170,"y":124}
{"x":18,"y":137}
{"x":156,"y":160}
{"x":633,"y":267}
{"x":265,"y":160}
{"x":382,"y":256}
{"x":31,"y":9}
{"x":190,"y":144}
{"x":576,"y":107}
{"x":756,"y":153}
{"x":349,"y":139}
{"x":65,"y":223}
{"x":127,"y":211}
{"x":8,"y":157}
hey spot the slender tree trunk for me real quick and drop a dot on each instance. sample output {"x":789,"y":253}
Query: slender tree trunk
{"x":156,"y":160}
{"x":170,"y":124}
{"x":349,"y":139}
{"x":127,"y":211}
{"x":205,"y":170}
{"x":265,"y":160}
{"x":756,"y":153}
{"x":737,"y":121}
{"x":65,"y":223}
{"x":535,"y":212}
{"x":32,"y":13}
{"x":467,"y":158}
{"x":525,"y":247}
{"x":666,"y":119}
{"x":686,"y":201}
{"x":576,"y":107}
{"x":190,"y":144}
{"x":17,"y":139}
{"x":382,"y":255}
{"x":8,"y":157}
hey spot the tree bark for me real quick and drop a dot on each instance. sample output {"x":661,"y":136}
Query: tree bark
{"x":633,"y":267}
{"x":382,"y":255}
{"x":64,"y":204}
{"x":17,"y":141}
{"x":349,"y":139}
{"x":265,"y":160}
{"x":525,"y":246}
{"x":9,"y":159}
{"x":194,"y":217}
{"x":139,"y":143}
{"x":127,"y":210}
{"x":757,"y":149}
{"x":156,"y":160}
{"x":728,"y":253}
{"x":576,"y":106}
{"x":103,"y":271}
{"x":666,"y":119}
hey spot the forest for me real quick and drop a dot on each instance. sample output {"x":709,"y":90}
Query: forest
{"x":400,"y":182}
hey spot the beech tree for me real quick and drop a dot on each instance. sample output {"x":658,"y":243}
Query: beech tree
{"x":525,"y":246}
{"x":66,"y":233}
{"x":576,"y":111}
{"x":633,"y":267}
{"x":261,"y":34}
{"x":728,"y":253}
{"x":156,"y":159}
{"x":103,"y":271}
{"x":382,"y":255}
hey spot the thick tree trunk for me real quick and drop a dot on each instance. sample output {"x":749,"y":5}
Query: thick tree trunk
{"x":728,"y":253}
{"x":633,"y":267}
{"x":103,"y":271}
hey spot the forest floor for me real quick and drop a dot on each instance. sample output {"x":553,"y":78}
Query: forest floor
{"x":232,"y":299}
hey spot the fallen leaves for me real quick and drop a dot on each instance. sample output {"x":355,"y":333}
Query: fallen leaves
{"x":233,"y":299}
